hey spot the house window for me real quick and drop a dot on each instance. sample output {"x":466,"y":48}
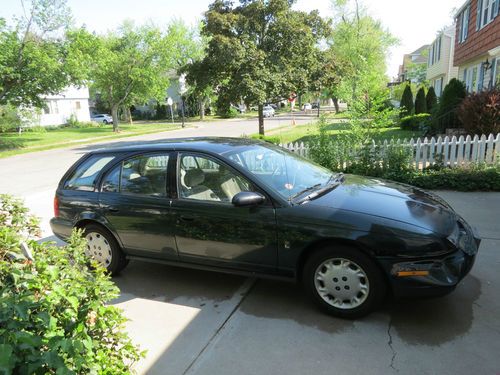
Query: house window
{"x":439,"y":48}
{"x":464,"y":25}
{"x":487,"y":10}
{"x":50,"y":107}
{"x":474,"y":80}
{"x":77,"y":105}
{"x":494,"y":73}
{"x":438,"y":86}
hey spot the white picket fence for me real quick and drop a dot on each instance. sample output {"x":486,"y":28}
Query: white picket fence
{"x":451,"y":151}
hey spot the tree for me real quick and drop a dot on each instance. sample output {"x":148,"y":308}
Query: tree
{"x":39,"y":54}
{"x":453,"y":94}
{"x":431,"y":99}
{"x":131,"y":66}
{"x":258,"y":51}
{"x":361,"y":45}
{"x":420,"y":103}
{"x":406,"y":102}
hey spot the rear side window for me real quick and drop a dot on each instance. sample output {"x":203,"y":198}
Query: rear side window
{"x":85,"y":175}
{"x":143,"y":175}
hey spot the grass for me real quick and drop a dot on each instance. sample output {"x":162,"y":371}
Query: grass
{"x":28,"y":141}
{"x":305,"y":133}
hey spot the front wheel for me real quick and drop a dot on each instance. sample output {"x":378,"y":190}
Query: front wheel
{"x":343,"y":281}
{"x":105,"y":122}
{"x":103,"y":247}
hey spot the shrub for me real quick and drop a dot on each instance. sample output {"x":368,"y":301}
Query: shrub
{"x":453,"y":94}
{"x":406,"y":102}
{"x":468,"y":178}
{"x":54,"y":316}
{"x":415,"y":122}
{"x":268,"y":138}
{"x":9,"y":118}
{"x":480,"y":112}
{"x":420,"y":103}
{"x":431,"y":100}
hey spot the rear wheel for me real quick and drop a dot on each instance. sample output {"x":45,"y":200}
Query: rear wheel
{"x":103,"y":247}
{"x":343,"y":281}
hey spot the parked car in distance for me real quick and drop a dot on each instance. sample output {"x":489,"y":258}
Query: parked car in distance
{"x":315,"y":105}
{"x":268,"y":111}
{"x":102,"y":118}
{"x":307,"y":107}
{"x":249,"y":207}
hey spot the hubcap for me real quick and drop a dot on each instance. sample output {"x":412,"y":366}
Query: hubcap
{"x":341,"y":283}
{"x":98,"y":248}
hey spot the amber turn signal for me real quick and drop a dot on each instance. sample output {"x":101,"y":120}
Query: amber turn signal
{"x":412,"y":273}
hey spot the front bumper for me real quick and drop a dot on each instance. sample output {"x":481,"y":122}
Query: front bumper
{"x":433,"y":277}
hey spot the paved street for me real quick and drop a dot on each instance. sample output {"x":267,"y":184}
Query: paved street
{"x":196,"y":322}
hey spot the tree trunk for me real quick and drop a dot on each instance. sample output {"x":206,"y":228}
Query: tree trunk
{"x":202,"y":109}
{"x":336,"y":104}
{"x":129,"y":115}
{"x":300,"y":102}
{"x":261,"y":119}
{"x":319,"y":105}
{"x":114,"y":113}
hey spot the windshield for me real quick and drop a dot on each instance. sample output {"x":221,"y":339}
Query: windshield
{"x":288,"y":174}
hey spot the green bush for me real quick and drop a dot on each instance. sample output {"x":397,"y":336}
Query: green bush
{"x":406,"y":105}
{"x":415,"y":122}
{"x":446,"y":117}
{"x":268,"y":138}
{"x":54,"y":312}
{"x":480,"y":112}
{"x":9,"y":118}
{"x":469,"y":178}
{"x":73,"y":122}
{"x":420,"y":103}
{"x":431,"y":100}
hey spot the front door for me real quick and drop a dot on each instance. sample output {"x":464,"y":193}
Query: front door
{"x":209,"y":229}
{"x":134,"y":201}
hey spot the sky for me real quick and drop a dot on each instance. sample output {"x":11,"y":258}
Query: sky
{"x":414,"y":23}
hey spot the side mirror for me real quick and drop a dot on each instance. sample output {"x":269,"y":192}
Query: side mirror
{"x":248,"y":199}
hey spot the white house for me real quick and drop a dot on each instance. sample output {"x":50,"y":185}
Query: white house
{"x":440,"y":68}
{"x":60,"y":107}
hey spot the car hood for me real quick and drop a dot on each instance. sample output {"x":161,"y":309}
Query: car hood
{"x":390,"y":200}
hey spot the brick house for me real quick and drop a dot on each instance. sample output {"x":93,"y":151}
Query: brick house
{"x":477,"y":44}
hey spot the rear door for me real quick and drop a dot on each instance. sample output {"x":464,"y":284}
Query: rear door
{"x":134,"y":201}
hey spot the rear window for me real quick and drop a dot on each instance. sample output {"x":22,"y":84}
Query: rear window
{"x":85,"y":175}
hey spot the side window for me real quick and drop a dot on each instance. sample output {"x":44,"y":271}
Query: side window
{"x":85,"y":175}
{"x":145,"y":175}
{"x":201,"y":178}
{"x":111,"y":183}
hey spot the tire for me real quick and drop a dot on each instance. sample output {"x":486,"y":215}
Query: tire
{"x":105,"y":122}
{"x":99,"y":240}
{"x":343,"y":281}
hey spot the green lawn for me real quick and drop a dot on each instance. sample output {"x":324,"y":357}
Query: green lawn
{"x":27,"y":141}
{"x":305,"y":133}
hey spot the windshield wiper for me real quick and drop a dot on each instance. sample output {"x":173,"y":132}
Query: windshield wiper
{"x":335,"y":178}
{"x":310,"y":188}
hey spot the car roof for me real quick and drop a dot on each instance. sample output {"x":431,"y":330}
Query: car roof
{"x":217,"y":145}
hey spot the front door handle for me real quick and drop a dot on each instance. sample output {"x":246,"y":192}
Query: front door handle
{"x":110,"y":209}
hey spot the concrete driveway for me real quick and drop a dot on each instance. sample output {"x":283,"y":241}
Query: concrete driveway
{"x":195,"y":322}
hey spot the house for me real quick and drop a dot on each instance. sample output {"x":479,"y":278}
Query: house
{"x":413,"y":64}
{"x":477,"y":44}
{"x":57,"y":110}
{"x":440,"y":68}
